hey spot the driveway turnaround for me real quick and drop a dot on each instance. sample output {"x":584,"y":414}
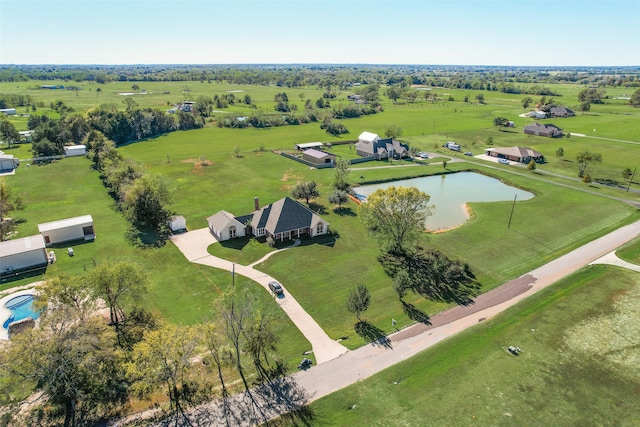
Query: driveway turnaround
{"x":194,"y":244}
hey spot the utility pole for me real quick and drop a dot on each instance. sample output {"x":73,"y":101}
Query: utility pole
{"x":512,"y":208}
{"x":631,"y":180}
{"x":233,"y":274}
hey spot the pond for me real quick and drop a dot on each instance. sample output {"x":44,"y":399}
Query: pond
{"x":449,"y":193}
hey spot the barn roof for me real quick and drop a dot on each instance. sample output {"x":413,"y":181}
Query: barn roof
{"x":64,"y":223}
{"x":19,"y":246}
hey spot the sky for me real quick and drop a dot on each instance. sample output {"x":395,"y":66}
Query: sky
{"x":459,"y":32}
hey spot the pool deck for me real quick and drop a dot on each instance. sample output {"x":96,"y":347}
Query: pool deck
{"x":5,"y":313}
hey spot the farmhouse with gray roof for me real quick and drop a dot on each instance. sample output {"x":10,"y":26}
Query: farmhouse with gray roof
{"x":371,"y":145}
{"x":561,"y":112}
{"x":547,"y":130}
{"x":284,"y":219}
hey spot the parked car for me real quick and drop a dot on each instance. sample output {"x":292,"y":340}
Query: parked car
{"x":276,"y":288}
{"x":503,"y":161}
{"x":423,"y":155}
{"x":468,"y":153}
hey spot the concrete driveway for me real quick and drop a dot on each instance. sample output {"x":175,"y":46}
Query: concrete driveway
{"x":194,"y":244}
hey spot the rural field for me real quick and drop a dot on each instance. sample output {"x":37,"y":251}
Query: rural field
{"x":578,"y":366}
{"x":207,"y":176}
{"x":213,"y":169}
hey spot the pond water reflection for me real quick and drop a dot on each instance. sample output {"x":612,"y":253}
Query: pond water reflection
{"x":450,"y":192}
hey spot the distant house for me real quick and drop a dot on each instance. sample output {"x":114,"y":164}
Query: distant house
{"x":7,"y":162}
{"x":8,"y":111}
{"x":561,"y":112}
{"x":26,"y":135}
{"x":225,"y":226}
{"x":516,"y":154}
{"x":177,"y":223}
{"x":318,"y":157}
{"x":66,"y":230}
{"x":307,"y":145}
{"x":22,"y":254}
{"x":282,"y":220}
{"x":537,"y":114}
{"x":371,"y":145}
{"x":75,"y":150}
{"x":548,"y":130}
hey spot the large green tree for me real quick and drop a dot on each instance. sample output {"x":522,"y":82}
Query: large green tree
{"x":393,"y":131}
{"x":121,"y":285}
{"x":635,"y":98}
{"x":306,"y":191}
{"x":9,"y":201}
{"x":358,"y":300}
{"x":167,"y":358}
{"x":71,"y":357}
{"x":341,"y":174}
{"x":397,"y":215}
{"x":586,"y":158}
{"x":146,"y":202}
{"x":8,"y":132}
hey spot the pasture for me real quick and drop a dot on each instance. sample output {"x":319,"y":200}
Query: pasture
{"x":208,"y":176}
{"x":560,"y":378}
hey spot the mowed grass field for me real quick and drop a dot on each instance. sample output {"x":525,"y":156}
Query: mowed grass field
{"x":207,"y":176}
{"x":578,"y":366}
{"x":181,"y":292}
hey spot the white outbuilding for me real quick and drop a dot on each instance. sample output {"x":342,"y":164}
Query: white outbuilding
{"x":178,"y":223}
{"x":75,"y":150}
{"x":22,"y":254}
{"x":66,"y":230}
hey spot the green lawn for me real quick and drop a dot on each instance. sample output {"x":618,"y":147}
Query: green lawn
{"x":631,"y":251}
{"x":207,"y":176}
{"x":182,"y":292}
{"x":471,"y":379}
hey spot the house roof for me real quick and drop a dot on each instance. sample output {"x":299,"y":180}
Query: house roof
{"x":288,"y":214}
{"x":64,"y":223}
{"x":283,"y":215}
{"x":368,"y":137}
{"x":306,"y":145}
{"x":220,"y":219}
{"x":516,"y":151}
{"x":548,"y":126}
{"x":317,"y":154}
{"x":18,"y":246}
{"x":561,"y":110}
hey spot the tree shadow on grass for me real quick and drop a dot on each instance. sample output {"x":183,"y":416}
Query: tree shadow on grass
{"x":415,"y":314}
{"x":344,"y":211}
{"x":372,"y":333}
{"x":318,"y":208}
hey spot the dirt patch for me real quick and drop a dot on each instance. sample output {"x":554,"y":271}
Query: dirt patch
{"x":289,"y":175}
{"x":198,"y":164}
{"x":613,"y":339}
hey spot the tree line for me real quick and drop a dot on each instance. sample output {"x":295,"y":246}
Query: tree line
{"x":500,"y":78}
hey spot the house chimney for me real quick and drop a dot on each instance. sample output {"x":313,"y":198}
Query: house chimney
{"x":256,"y":203}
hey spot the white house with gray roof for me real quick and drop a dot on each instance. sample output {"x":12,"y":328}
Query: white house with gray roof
{"x":225,"y":226}
{"x":371,"y":145}
{"x":284,"y":219}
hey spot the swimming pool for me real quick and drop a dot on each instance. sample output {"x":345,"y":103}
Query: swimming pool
{"x":20,"y":307}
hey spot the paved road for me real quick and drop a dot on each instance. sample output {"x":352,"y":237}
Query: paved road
{"x":194,"y":244}
{"x":369,"y":360}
